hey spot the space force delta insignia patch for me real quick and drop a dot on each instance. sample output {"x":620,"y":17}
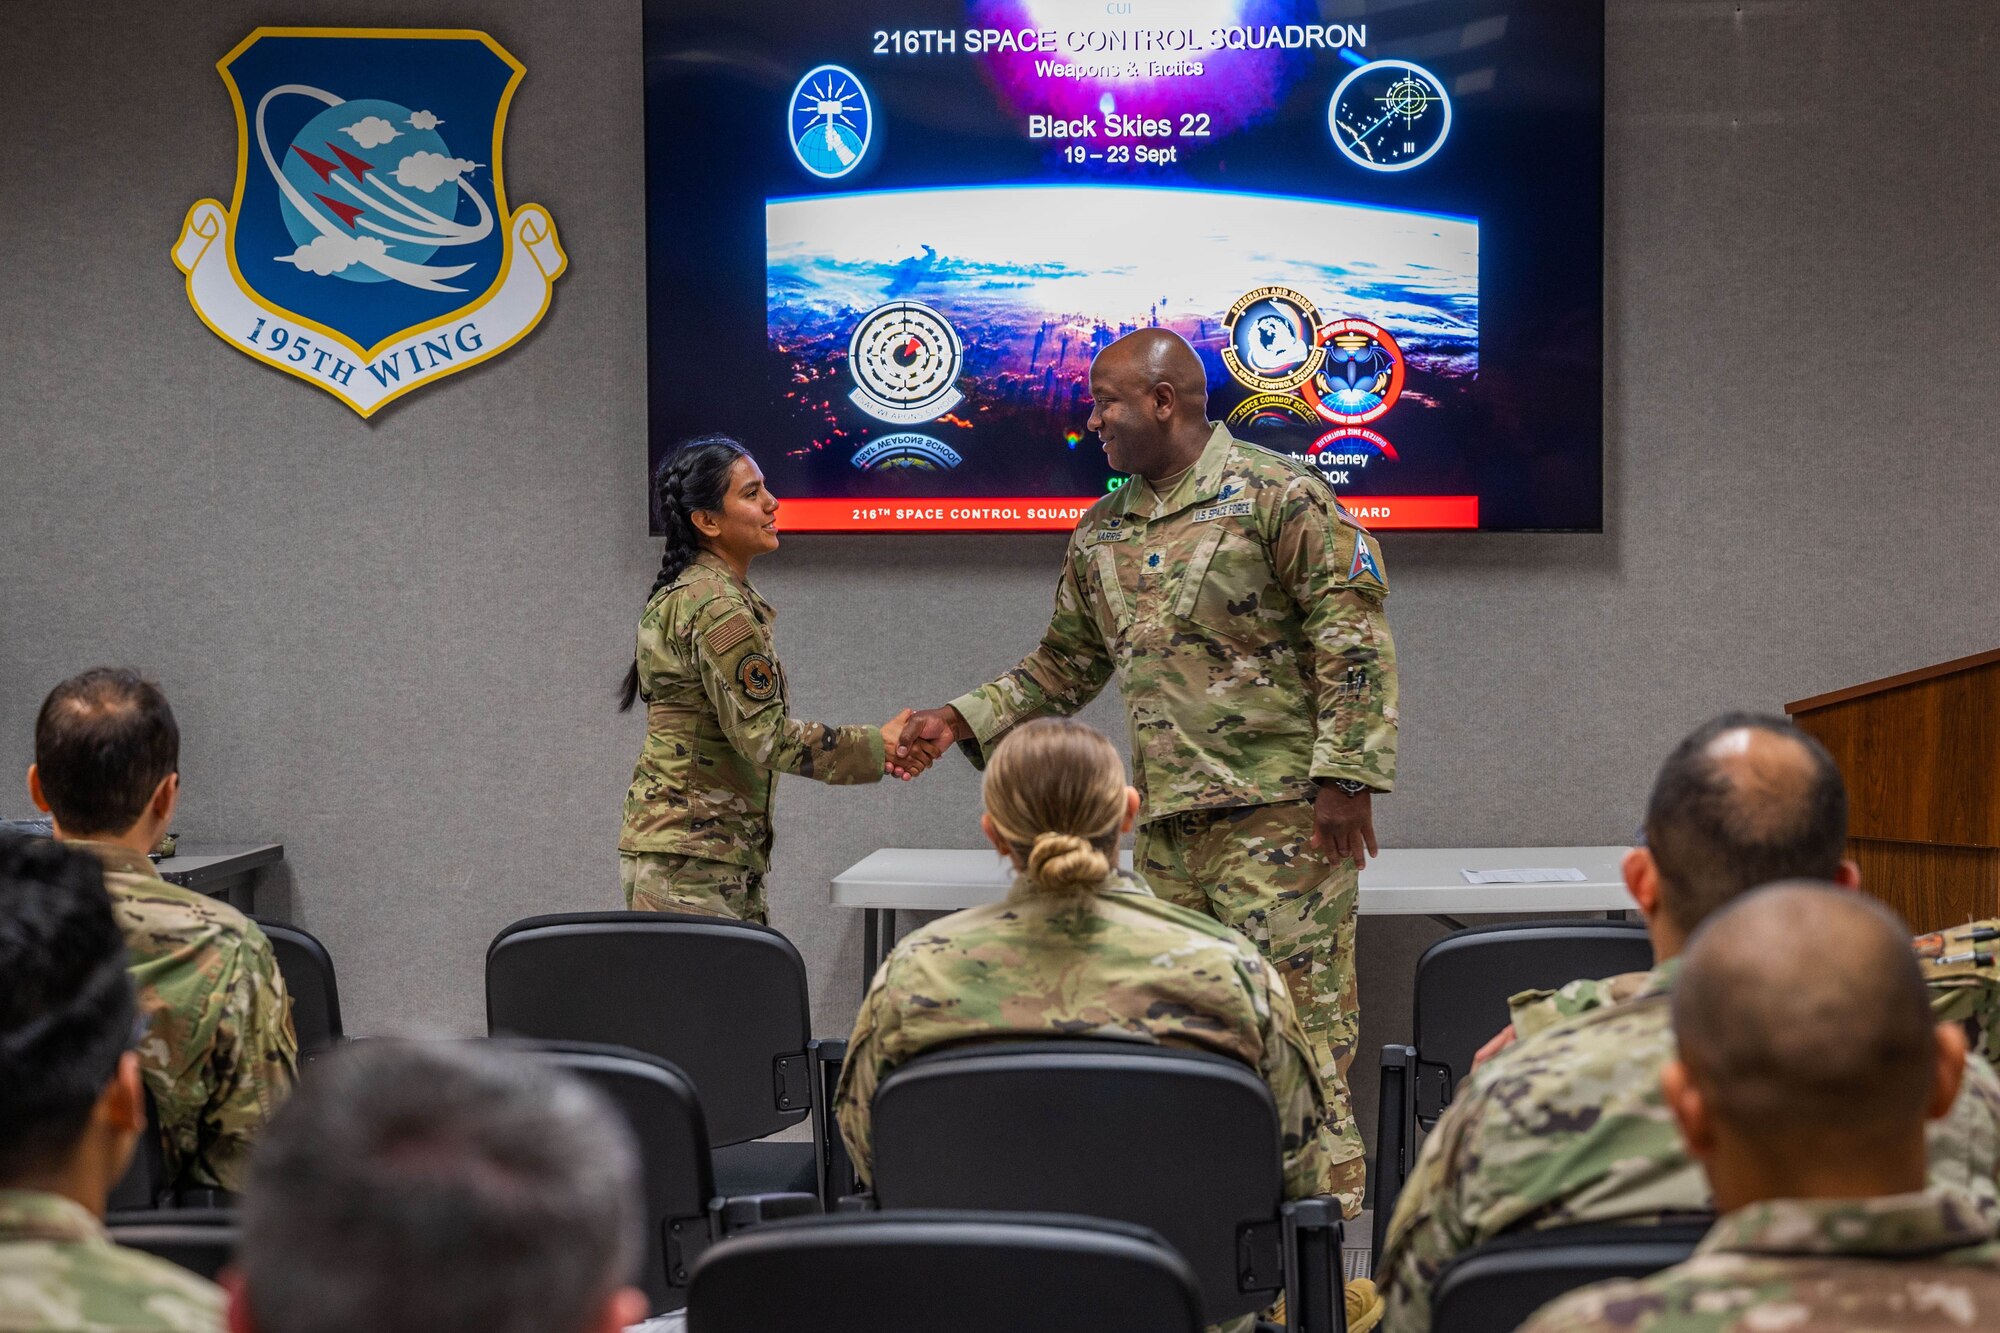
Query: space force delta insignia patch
{"x":368,"y":248}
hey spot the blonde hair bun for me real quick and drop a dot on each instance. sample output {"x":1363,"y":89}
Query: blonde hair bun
{"x":1065,"y":863}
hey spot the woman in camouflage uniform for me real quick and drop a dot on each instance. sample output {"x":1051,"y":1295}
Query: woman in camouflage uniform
{"x":697,"y":832}
{"x":1080,"y":946}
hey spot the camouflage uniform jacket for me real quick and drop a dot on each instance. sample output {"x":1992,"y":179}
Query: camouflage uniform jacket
{"x":60,"y":1273}
{"x":1242,"y":613}
{"x":219,"y":1053}
{"x":1112,"y":962}
{"x":1569,"y":1127}
{"x":718,"y":726}
{"x":1910,"y":1261}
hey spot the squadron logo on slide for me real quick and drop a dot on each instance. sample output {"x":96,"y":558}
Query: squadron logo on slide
{"x":832,"y":122}
{"x":1271,"y":344}
{"x":905,"y":358}
{"x":368,"y":248}
{"x":1363,"y":374}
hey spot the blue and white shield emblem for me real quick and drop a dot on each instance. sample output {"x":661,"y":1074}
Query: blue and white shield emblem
{"x":369,"y":247}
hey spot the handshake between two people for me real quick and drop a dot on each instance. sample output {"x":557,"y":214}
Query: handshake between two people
{"x":914,"y":739}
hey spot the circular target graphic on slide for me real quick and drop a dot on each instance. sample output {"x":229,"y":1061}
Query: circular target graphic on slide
{"x":831,"y":121}
{"x":905,"y":358}
{"x":1389,"y":115}
{"x":1361,"y":377}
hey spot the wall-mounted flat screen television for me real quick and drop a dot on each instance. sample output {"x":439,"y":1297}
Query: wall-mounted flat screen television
{"x":885,"y":239}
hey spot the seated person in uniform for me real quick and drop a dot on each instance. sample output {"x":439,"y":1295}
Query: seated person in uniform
{"x":1080,"y":946}
{"x":1808,"y":1065}
{"x":219,"y":1052}
{"x":1568,"y":1127}
{"x":71,"y":1108}
{"x":440,"y":1187}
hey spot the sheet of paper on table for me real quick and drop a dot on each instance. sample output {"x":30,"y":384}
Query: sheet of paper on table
{"x":1523,"y":876}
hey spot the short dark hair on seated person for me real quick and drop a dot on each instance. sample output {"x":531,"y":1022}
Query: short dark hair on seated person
{"x":1718,"y":829}
{"x":439,"y":1187}
{"x":67,"y":1012}
{"x":104,"y":740}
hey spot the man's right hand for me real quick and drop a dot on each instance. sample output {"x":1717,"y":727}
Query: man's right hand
{"x":936,"y":728}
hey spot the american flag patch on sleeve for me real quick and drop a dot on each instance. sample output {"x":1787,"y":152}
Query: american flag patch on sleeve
{"x":729,"y":633}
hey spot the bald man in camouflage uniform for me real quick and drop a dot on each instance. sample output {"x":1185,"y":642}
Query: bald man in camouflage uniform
{"x":1808,"y":1063}
{"x":1570,"y":1127}
{"x":697,"y":832}
{"x":219,"y":1052}
{"x":1240,"y":609}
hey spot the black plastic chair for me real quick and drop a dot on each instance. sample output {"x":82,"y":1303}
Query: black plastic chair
{"x":724,"y":1000}
{"x":1463,"y":984}
{"x":201,"y":1240}
{"x":308,"y":971}
{"x":920,"y":1272}
{"x":685,"y":1213}
{"x":1183,"y":1142}
{"x":1494,"y":1288}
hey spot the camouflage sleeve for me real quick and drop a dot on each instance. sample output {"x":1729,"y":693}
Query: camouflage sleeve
{"x":254,"y":1062}
{"x":860,"y":1073}
{"x":1591,"y":1310}
{"x":1533,"y":1011}
{"x":1963,"y":1149}
{"x":1428,"y":1229}
{"x":1333,"y":571}
{"x":1287,"y":1065}
{"x":1064,"y":673}
{"x":741,"y":676}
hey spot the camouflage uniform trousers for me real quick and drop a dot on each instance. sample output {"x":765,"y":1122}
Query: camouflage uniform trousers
{"x":1254,"y":868}
{"x":670,"y":882}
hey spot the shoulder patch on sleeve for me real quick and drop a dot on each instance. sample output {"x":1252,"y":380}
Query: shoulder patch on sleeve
{"x":1364,"y":562}
{"x":757,"y":677}
{"x":731,"y":631}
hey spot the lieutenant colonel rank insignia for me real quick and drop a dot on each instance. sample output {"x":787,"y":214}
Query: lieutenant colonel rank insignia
{"x":757,"y":676}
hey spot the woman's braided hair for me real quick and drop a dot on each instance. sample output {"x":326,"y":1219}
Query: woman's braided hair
{"x":694,"y":477}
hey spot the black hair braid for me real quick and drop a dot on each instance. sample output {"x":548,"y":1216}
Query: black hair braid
{"x":694,"y":477}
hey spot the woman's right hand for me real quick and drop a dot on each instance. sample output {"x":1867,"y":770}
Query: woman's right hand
{"x":917,"y":755}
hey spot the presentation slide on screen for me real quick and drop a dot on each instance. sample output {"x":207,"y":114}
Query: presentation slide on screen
{"x":886,"y":241}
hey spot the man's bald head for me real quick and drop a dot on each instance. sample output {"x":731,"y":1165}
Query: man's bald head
{"x":1152,"y":357}
{"x":1746,"y":800}
{"x":1149,"y":403}
{"x":1802,"y":1018}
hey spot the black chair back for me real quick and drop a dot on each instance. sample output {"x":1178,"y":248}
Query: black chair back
{"x":1182,"y":1142}
{"x":725,"y":1001}
{"x":308,"y":971}
{"x":659,"y":1103}
{"x":920,"y":1272}
{"x":1465,"y":980}
{"x":1463,"y":984}
{"x":201,"y":1240}
{"x":1495,"y":1287}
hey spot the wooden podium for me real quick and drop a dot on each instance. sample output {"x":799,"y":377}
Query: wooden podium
{"x":1921,"y":755}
